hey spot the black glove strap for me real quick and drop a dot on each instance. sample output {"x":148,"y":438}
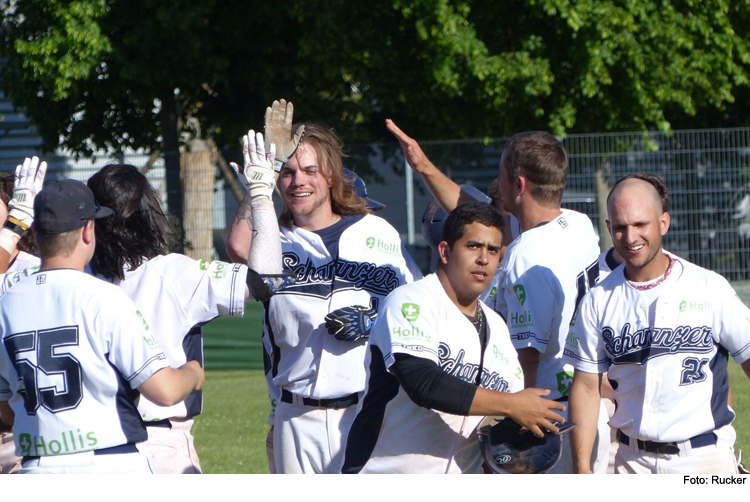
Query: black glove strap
{"x":14,"y":225}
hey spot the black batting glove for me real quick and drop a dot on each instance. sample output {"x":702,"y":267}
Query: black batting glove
{"x":352,"y":323}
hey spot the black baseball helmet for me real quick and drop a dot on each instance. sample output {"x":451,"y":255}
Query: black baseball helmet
{"x":509,"y":450}
{"x":361,"y":189}
{"x":433,"y":218}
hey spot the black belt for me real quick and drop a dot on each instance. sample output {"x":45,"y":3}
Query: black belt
{"x":114,"y":450}
{"x":336,"y":403}
{"x":699,"y":441}
{"x":563,"y":399}
{"x":159,"y":423}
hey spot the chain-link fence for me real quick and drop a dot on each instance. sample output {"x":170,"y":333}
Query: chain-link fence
{"x":707,"y":172}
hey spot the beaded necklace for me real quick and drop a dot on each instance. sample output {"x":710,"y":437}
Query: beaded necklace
{"x":651,"y":285}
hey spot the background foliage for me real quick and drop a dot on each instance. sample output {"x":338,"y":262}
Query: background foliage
{"x":112,"y":74}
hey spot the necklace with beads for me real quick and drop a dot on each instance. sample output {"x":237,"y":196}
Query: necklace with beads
{"x":476,"y":319}
{"x":651,"y":285}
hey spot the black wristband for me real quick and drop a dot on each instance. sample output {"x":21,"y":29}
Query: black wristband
{"x":14,"y":225}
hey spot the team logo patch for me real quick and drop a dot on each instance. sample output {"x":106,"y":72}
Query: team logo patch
{"x":502,"y":454}
{"x":41,"y":279}
{"x":704,"y":306}
{"x":370,"y":243}
{"x":520,"y":293}
{"x":410,"y":311}
{"x":562,"y":222}
{"x":564,"y":379}
{"x":493,"y":292}
{"x":143,"y":319}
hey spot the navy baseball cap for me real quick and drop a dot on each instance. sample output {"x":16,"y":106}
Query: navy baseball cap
{"x":65,"y":205}
{"x":361,"y":189}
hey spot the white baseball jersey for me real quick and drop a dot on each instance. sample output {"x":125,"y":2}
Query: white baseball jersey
{"x":665,"y":350}
{"x":359,"y":267}
{"x":420,"y":320}
{"x":546,"y":271}
{"x":74,"y":350}
{"x":178,"y":295}
{"x":606,"y":264}
{"x":18,"y":270}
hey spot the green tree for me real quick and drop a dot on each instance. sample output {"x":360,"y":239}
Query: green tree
{"x":115,"y":74}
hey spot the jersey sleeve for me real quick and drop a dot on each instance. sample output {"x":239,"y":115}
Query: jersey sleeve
{"x":530,"y":296}
{"x":584,"y":345}
{"x":133,"y":349}
{"x":10,"y":279}
{"x":733,"y":321}
{"x":209,"y":288}
{"x":5,"y":392}
{"x":405,"y":326}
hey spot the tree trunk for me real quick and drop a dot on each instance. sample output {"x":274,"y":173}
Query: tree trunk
{"x":198,"y":197}
{"x":169,"y":116}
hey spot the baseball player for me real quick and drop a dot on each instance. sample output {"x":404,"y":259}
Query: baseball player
{"x":76,"y":352}
{"x":274,"y":393}
{"x":546,"y":270}
{"x":663,"y":329}
{"x":439,"y":360}
{"x":345,"y":261}
{"x":433,"y":221}
{"x":176,"y":293}
{"x":15,"y":240}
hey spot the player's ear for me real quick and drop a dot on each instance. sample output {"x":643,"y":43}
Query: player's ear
{"x":664,"y":222}
{"x":521,"y":185}
{"x":87,"y":233}
{"x":609,"y":226}
{"x":444,"y":252}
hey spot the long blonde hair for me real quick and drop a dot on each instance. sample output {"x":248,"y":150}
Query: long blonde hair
{"x":330,"y":152}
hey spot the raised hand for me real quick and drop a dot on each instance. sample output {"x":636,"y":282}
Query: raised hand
{"x":257,"y":174}
{"x":412,"y":151}
{"x":28,"y":182}
{"x":278,"y":127}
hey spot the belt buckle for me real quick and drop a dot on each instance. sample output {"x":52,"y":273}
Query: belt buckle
{"x":660,"y":448}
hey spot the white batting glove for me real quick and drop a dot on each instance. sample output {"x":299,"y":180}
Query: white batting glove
{"x":27,"y":184}
{"x":258,"y":174}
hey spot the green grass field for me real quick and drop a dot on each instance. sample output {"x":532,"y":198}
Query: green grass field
{"x":230,"y":435}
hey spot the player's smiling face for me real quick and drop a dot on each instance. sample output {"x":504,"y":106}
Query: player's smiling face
{"x":471,"y":262}
{"x":637,"y":226}
{"x":305,"y":190}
